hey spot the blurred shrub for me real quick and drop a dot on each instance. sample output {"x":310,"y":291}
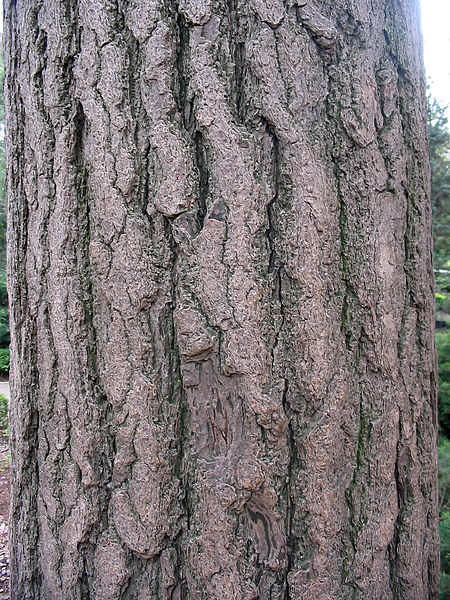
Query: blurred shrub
{"x":4,"y":327}
{"x":445,"y":586}
{"x":3,"y":412}
{"x":444,"y":533}
{"x":443,"y":352}
{"x":4,"y":361}
{"x":442,"y":302}
{"x":444,"y":474}
{"x":3,"y":291}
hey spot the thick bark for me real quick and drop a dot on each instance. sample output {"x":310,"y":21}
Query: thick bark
{"x":221,"y":296}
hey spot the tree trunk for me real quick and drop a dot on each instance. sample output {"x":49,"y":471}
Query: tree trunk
{"x":221,"y":293}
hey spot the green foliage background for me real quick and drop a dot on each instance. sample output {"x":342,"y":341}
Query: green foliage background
{"x":439,"y":136}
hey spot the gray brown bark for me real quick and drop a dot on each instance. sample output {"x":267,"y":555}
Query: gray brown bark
{"x":221,"y":296}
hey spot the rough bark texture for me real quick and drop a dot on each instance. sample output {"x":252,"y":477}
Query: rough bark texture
{"x":221,"y":294}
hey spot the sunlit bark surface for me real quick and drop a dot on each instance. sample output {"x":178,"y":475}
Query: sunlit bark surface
{"x":221,"y":295}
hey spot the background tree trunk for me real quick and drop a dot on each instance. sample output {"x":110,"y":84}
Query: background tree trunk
{"x":222,"y":299}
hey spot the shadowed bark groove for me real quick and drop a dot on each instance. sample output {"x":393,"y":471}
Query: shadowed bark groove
{"x":221,"y":288}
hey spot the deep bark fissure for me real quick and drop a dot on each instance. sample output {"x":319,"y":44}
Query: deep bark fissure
{"x":183,"y":430}
{"x":201,"y":160}
{"x":185,"y":104}
{"x":271,"y":231}
{"x":181,"y":83}
{"x":238,"y":57}
{"x":393,"y":545}
{"x":99,"y":397}
{"x":293,"y":464}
